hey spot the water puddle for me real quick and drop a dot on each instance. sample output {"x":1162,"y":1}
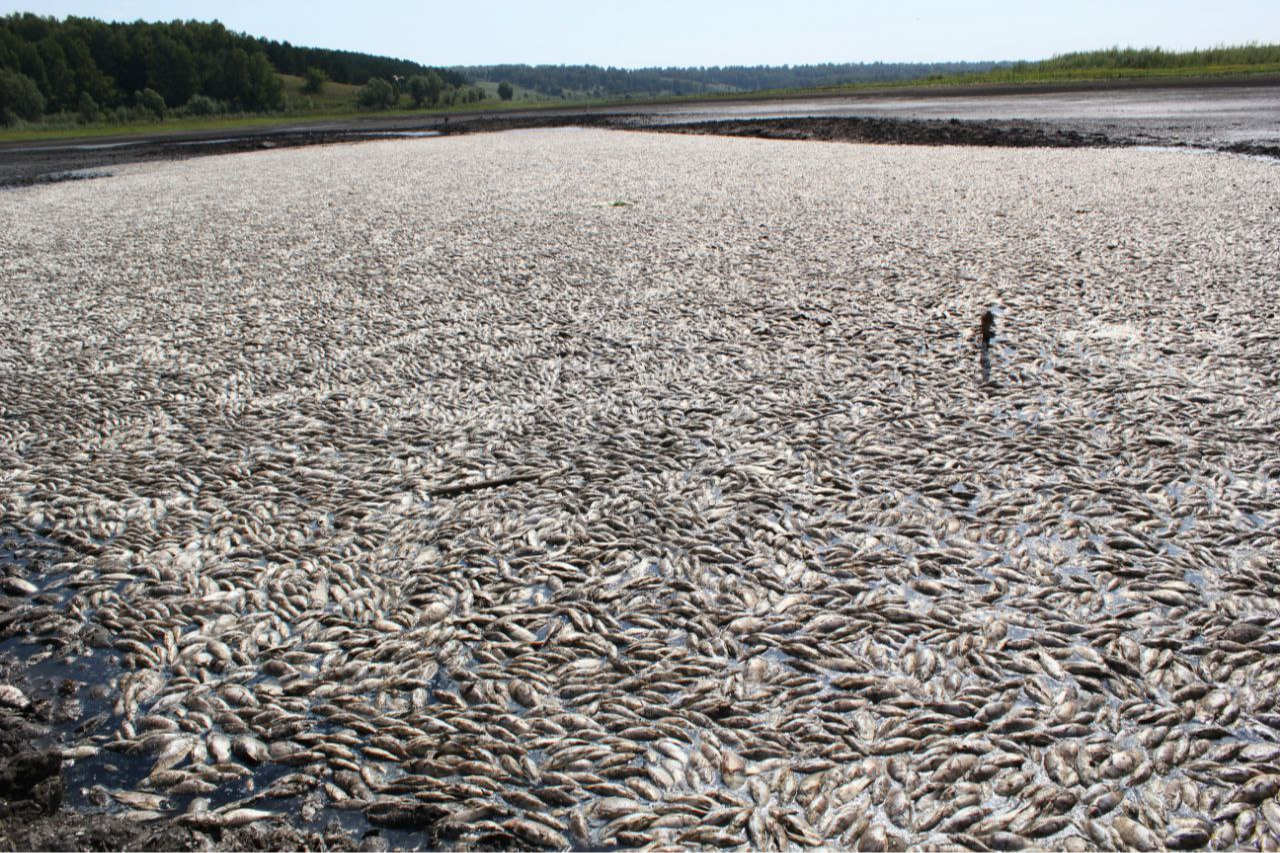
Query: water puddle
{"x":1198,"y":151}
{"x":401,"y":134}
{"x":58,"y":178}
{"x":78,"y":175}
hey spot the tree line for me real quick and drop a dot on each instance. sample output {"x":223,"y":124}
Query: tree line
{"x":424,"y":90}
{"x":342,"y":66}
{"x":49,"y":65}
{"x":595,"y":81}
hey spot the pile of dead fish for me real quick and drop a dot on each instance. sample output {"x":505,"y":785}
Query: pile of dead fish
{"x":585,"y":488}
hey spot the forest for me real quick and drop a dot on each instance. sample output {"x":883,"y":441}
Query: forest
{"x":556,"y":81}
{"x":82,"y":64}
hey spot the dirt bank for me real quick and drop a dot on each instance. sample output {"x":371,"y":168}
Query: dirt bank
{"x":1018,"y":134}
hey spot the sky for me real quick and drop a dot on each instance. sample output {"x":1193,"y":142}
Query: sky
{"x":643,"y":33}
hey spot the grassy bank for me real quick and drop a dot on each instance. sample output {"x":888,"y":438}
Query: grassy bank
{"x":53,"y":130}
{"x":1063,"y":75}
{"x":331,"y":97}
{"x":1132,"y":63}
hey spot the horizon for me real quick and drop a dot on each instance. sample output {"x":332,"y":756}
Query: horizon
{"x":751,"y":34}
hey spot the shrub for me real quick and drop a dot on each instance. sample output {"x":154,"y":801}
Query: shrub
{"x":203,"y":105}
{"x":426,"y":88}
{"x":88,"y":111}
{"x":129,"y":115}
{"x":376,"y":95}
{"x":20,"y":98}
{"x":313,"y":80}
{"x":151,"y":101}
{"x":505,"y":92}
{"x":418,"y":89}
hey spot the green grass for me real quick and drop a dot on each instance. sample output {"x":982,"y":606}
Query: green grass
{"x":1058,"y":74}
{"x":1129,"y":63}
{"x":519,"y":94}
{"x":42,"y":132}
{"x":336,"y":102}
{"x":332,"y":96}
{"x":1156,"y":58}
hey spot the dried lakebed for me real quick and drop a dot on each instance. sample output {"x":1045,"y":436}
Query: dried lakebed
{"x":594,"y":489}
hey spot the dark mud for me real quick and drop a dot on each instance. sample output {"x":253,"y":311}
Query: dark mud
{"x":32,"y":166}
{"x":51,"y":800}
{"x":888,"y":131}
{"x":54,"y":164}
{"x":1253,"y":150}
{"x":44,"y":164}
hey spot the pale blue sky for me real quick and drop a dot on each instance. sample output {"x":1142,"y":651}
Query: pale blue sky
{"x":712,"y":32}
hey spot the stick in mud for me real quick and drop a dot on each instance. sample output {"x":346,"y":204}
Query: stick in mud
{"x":463,"y":488}
{"x":986,"y":331}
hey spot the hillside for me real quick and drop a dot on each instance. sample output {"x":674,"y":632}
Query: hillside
{"x":140,"y":69}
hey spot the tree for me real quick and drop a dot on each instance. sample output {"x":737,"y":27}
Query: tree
{"x":505,"y":92}
{"x":88,"y":111}
{"x":418,"y":89}
{"x":61,"y":84}
{"x":435,"y":85}
{"x":377,"y":94}
{"x":20,"y":98}
{"x":171,"y":70}
{"x":203,"y":105}
{"x":235,"y":76}
{"x":111,"y":61}
{"x":151,"y":101}
{"x":313,"y":80}
{"x":266,"y":92}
